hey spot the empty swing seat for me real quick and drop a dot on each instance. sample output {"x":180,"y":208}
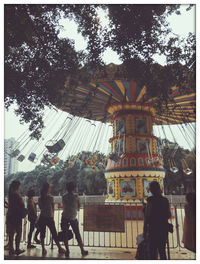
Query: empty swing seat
{"x":32,"y":157}
{"x":15,"y":153}
{"x":21,"y":158}
{"x":58,"y":146}
{"x":187,"y":171}
{"x":174,"y":169}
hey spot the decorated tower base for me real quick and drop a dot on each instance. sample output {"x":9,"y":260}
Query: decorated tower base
{"x":135,"y":160}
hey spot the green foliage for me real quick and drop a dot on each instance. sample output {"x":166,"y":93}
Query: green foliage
{"x":86,"y":179}
{"x":38,"y":63}
{"x":181,"y":159}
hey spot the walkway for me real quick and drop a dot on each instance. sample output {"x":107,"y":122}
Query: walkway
{"x":94,"y":254}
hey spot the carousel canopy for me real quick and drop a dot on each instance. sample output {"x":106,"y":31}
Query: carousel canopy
{"x":110,"y":87}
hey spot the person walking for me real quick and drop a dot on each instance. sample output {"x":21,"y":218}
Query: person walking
{"x":32,"y":216}
{"x":157,"y":213}
{"x":16,"y":211}
{"x":71,"y":205}
{"x":46,"y":204}
{"x":189,"y":226}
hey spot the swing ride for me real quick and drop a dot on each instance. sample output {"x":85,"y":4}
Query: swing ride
{"x":135,"y":159}
{"x":123,"y":106}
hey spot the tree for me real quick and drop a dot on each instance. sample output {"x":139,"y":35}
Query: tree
{"x":178,"y":158}
{"x":36,"y":60}
{"x":38,"y":63}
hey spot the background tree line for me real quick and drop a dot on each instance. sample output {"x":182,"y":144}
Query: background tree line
{"x":86,"y":169}
{"x":89,"y":179}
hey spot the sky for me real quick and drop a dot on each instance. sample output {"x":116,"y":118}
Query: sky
{"x":181,"y":25}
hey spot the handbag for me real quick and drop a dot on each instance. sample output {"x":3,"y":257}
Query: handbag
{"x":63,"y":235}
{"x":143,"y":250}
{"x":170,"y":228}
{"x":139,"y":239}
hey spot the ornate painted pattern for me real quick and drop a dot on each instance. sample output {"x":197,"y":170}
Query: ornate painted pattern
{"x":91,"y":101}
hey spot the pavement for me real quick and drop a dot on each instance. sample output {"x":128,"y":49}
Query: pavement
{"x":94,"y":253}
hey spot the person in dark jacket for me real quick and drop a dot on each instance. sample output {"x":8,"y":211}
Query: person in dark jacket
{"x":189,"y":227}
{"x":157,"y":213}
{"x":46,"y":204}
{"x":32,"y":216}
{"x":16,"y":209}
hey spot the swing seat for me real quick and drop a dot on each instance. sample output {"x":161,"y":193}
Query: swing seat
{"x":15,"y":153}
{"x":174,"y":169}
{"x":156,"y":161}
{"x":21,"y":158}
{"x":148,"y":161}
{"x":58,"y":146}
{"x":121,"y":156}
{"x":187,"y":171}
{"x":32,"y":157}
{"x":55,"y":161}
{"x":48,"y":158}
{"x":44,"y":162}
{"x":114,"y":157}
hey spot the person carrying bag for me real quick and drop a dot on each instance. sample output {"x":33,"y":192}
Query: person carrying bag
{"x":156,"y":224}
{"x":71,"y":205}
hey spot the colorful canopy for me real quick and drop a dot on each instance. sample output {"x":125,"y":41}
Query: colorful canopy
{"x":92,"y":100}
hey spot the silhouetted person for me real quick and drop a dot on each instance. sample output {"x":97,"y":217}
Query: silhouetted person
{"x":189,"y":228}
{"x":71,"y":205}
{"x":14,"y":217}
{"x":157,"y":213}
{"x":46,"y":204}
{"x":6,"y":247}
{"x":32,"y":216}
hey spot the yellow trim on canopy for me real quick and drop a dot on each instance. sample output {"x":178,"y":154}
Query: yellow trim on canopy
{"x":121,"y":86}
{"x":80,"y":90}
{"x":184,"y":96}
{"x":142,"y":92}
{"x":174,"y":88}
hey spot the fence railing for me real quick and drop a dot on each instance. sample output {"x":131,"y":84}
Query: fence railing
{"x":133,"y":226}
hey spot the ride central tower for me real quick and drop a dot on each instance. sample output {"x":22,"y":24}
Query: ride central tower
{"x":135,"y":159}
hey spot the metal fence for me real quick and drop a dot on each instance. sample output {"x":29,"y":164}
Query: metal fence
{"x":133,"y":226}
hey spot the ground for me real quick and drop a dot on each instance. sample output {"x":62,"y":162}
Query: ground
{"x":94,"y":253}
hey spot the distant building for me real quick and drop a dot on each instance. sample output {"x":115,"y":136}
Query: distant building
{"x":10,"y":164}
